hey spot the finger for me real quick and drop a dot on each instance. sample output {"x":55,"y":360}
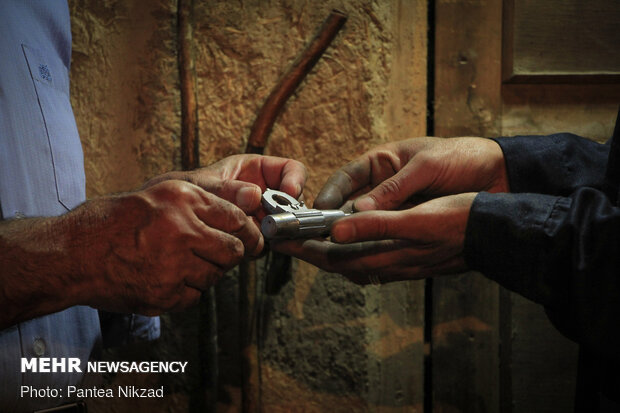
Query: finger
{"x":227,"y":250}
{"x":310,"y":250}
{"x":393,"y":191}
{"x":187,"y":297}
{"x":180,"y":298}
{"x":401,"y":261}
{"x":390,"y":260}
{"x":245,"y":195}
{"x":338,"y":257}
{"x":442,"y":219}
{"x":407,"y":271}
{"x":229,"y":221}
{"x":375,"y":225}
{"x":287,"y":175}
{"x":206,"y":277}
{"x":385,"y":261}
{"x":343,"y":183}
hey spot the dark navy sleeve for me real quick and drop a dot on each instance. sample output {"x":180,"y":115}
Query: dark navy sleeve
{"x":562,"y":252}
{"x":555,"y":164}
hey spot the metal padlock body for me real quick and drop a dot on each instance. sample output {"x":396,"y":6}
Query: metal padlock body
{"x":300,"y":224}
{"x":290,"y":218}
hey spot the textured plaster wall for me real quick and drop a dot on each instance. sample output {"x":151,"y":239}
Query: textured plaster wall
{"x":125,"y":90}
{"x":323,"y":343}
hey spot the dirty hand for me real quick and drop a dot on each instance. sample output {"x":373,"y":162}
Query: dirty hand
{"x":389,"y":176}
{"x":241,"y":179}
{"x":385,"y":246}
{"x":157,"y":249}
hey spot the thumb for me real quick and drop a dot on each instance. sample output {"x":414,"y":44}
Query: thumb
{"x":389,"y":194}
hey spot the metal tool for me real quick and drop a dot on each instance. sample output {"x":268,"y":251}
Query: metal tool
{"x":291,"y":218}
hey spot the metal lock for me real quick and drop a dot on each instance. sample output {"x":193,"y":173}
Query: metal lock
{"x":291,"y":218}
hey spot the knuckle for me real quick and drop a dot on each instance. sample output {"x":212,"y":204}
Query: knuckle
{"x":355,"y":170}
{"x":237,"y":250}
{"x":237,"y":220}
{"x":213,"y":185}
{"x":213,"y":276}
{"x":181,"y":189}
{"x":425,"y":159}
{"x":390,"y":186}
{"x":176,"y":190}
{"x":140,"y":201}
{"x":234,"y":253}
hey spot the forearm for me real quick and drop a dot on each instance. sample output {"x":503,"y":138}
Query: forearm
{"x":39,"y":272}
{"x":52,"y":263}
{"x":146,"y":252}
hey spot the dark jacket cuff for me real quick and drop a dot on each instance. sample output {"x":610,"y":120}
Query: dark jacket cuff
{"x":506,"y":240}
{"x":556,"y":164}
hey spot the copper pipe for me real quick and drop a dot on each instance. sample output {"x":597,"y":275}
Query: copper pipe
{"x":290,"y":81}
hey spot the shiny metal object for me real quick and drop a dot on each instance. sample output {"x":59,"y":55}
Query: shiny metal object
{"x":291,"y":218}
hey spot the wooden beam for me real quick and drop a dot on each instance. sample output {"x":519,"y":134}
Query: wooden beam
{"x":465,"y":314}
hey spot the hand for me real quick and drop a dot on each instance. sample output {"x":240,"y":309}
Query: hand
{"x":386,"y":246}
{"x":157,"y":249}
{"x":241,"y":179}
{"x":388,"y":176}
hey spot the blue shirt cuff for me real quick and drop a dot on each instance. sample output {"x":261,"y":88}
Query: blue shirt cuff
{"x":123,"y":329}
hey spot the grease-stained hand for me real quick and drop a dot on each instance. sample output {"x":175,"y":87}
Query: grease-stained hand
{"x":396,"y":235}
{"x":157,"y":249}
{"x":419,"y":242}
{"x":392,"y":175}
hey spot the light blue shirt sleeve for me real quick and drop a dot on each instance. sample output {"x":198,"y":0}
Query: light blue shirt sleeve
{"x":42,"y":174}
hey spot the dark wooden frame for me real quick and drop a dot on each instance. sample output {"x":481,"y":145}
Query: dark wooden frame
{"x":510,"y":77}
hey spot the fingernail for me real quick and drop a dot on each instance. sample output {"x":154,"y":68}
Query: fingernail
{"x":343,"y":233}
{"x":248,"y":198}
{"x":365,"y":203}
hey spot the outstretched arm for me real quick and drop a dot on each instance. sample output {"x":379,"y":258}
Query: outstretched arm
{"x":147,"y":252}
